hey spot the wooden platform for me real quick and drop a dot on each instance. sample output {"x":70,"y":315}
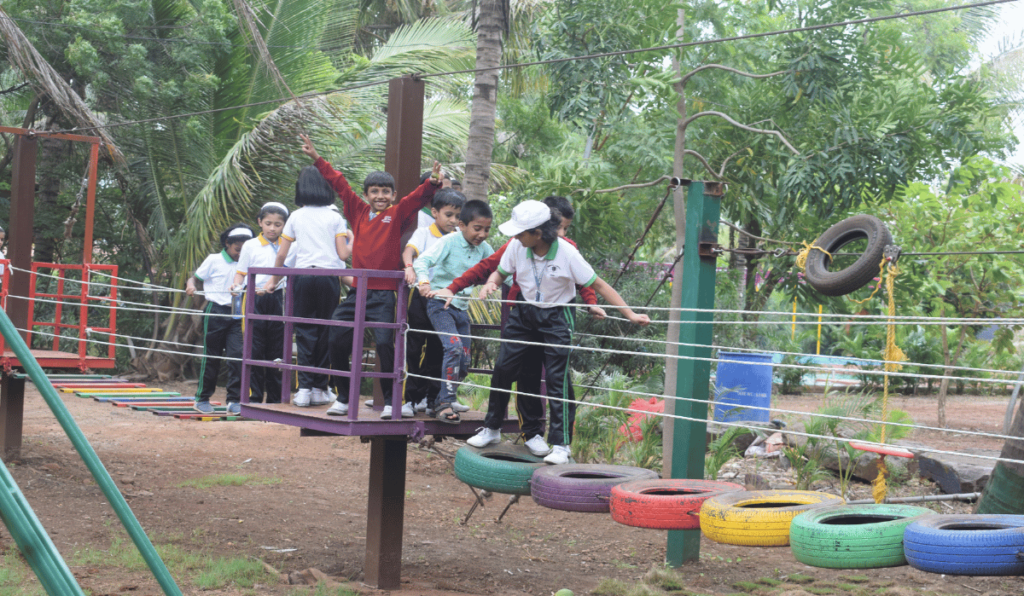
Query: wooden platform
{"x":52,"y":359}
{"x":369,"y":423}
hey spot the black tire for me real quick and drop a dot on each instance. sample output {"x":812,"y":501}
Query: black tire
{"x":966,"y":544}
{"x":500,"y":469}
{"x":858,"y":275}
{"x":852,"y":536}
{"x":581,"y":487}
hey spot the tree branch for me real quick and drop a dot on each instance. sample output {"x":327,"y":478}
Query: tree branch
{"x":730,"y":120}
{"x":687,"y":76}
{"x":624,"y":186}
{"x":702,"y":160}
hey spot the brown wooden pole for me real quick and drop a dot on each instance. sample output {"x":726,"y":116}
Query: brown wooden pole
{"x":23,"y":194}
{"x":90,"y":204}
{"x":385,"y":512}
{"x":403,"y":155}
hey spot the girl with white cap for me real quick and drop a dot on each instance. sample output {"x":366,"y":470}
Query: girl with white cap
{"x":222,"y":335}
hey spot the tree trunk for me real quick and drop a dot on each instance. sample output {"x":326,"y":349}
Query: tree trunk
{"x":49,"y":219}
{"x":679,"y":210}
{"x":948,"y":360}
{"x":490,"y":26}
{"x":1004,"y":492}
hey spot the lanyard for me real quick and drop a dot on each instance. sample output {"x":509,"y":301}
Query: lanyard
{"x":538,"y":276}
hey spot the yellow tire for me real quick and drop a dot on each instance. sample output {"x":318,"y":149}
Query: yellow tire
{"x":758,"y":518}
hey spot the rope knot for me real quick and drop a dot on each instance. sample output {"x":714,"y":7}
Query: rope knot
{"x":801,"y":257}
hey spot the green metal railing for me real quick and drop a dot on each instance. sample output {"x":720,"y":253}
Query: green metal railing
{"x":35,"y":544}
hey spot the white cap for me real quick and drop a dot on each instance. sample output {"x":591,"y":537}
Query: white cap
{"x":527,"y":215}
{"x":237,"y":232}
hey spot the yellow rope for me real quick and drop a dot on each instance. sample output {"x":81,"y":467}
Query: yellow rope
{"x":893,"y":355}
{"x":878,"y":486}
{"x":881,"y":274}
{"x":801,"y":257}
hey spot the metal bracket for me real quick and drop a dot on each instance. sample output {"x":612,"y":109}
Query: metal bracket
{"x":892,"y":253}
{"x":709,"y":249}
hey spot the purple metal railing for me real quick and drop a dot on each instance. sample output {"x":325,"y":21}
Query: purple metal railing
{"x":356,"y":374}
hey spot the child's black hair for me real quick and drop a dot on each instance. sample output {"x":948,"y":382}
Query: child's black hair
{"x":312,"y":189}
{"x":474,"y":209}
{"x":378,"y":179}
{"x":549,"y":229}
{"x":225,"y":239}
{"x":269,"y":209}
{"x":455,"y":183}
{"x":447,"y":197}
{"x":561,"y":205}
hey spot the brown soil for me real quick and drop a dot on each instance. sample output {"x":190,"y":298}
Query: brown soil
{"x":319,"y":509}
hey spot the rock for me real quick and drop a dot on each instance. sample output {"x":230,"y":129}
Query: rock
{"x":956,"y":473}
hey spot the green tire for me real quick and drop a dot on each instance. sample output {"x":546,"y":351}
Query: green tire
{"x":500,"y":469}
{"x":852,"y":536}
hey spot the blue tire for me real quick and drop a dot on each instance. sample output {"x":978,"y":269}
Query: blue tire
{"x":966,"y":544}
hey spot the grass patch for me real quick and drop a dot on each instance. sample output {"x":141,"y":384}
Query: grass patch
{"x":610,"y":587}
{"x":799,"y":578}
{"x":856,"y":579}
{"x":850,"y":587}
{"x":819,"y":590}
{"x":15,"y":574}
{"x":769,"y":581}
{"x":244,"y":573}
{"x":666,"y":579}
{"x":323,"y":590}
{"x":746,"y":586}
{"x":228,"y":480}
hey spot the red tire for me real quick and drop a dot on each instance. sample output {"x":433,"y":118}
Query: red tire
{"x":667,"y":504}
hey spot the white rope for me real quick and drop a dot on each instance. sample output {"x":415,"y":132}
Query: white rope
{"x":151,"y":287}
{"x":799,"y":413}
{"x":733,"y":424}
{"x":721,"y":360}
{"x":151,"y":310}
{"x":90,"y":331}
{"x":107,"y":343}
{"x":801,"y":354}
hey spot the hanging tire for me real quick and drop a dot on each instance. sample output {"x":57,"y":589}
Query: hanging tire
{"x":861,"y":272}
{"x":852,"y":536}
{"x":669,"y":504}
{"x":581,"y":487}
{"x":758,"y":518}
{"x":966,"y":544}
{"x":500,"y":469}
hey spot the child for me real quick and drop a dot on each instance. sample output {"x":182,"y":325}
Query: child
{"x":449,"y":258}
{"x":223,"y":333}
{"x":423,"y":350}
{"x":547,"y":269}
{"x":319,"y":234}
{"x":267,"y":336}
{"x":377,"y":225}
{"x":531,"y":409}
{"x":425,"y":217}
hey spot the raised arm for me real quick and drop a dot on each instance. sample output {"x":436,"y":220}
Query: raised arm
{"x":420,"y":197}
{"x":349,"y":199}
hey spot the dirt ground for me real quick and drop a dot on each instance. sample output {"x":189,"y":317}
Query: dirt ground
{"x":318,"y":509}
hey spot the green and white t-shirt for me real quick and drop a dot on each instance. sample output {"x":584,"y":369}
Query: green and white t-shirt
{"x":557,"y":273}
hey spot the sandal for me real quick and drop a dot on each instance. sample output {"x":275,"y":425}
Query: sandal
{"x":446,"y":414}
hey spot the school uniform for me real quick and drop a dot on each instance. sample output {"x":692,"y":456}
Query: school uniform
{"x":222,"y":335}
{"x":267,"y":336}
{"x":422,"y":350}
{"x":548,"y":279}
{"x":378,"y":245}
{"x":314,"y":230}
{"x":446,"y":260}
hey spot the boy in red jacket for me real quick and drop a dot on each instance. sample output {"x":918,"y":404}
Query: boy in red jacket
{"x":377,"y":227}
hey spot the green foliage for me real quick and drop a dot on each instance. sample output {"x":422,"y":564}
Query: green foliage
{"x":721,"y":450}
{"x":223,"y":572}
{"x":15,"y":574}
{"x":228,"y":480}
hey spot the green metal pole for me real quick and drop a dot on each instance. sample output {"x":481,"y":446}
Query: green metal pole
{"x":33,"y":541}
{"x":92,"y":461}
{"x":693,"y":376}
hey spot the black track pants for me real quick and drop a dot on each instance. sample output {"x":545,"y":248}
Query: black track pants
{"x":423,"y":354}
{"x":222,"y":336}
{"x":380,"y":307}
{"x":267,"y":344}
{"x":315,"y":298}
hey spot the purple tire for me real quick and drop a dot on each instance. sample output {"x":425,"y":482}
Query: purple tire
{"x":581,"y":487}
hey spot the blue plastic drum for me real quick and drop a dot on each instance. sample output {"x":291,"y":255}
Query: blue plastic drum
{"x":743,"y":385}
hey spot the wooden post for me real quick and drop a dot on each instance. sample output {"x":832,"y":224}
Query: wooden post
{"x":690,"y":436}
{"x":404,"y":146}
{"x":23,"y":195}
{"x":385,"y":511}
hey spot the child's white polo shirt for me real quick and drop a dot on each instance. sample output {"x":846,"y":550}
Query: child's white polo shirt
{"x":260,"y":252}
{"x":423,"y":238}
{"x":313,"y":230}
{"x":557,"y":273}
{"x":217,"y":274}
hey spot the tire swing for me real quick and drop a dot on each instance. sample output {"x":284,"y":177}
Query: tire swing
{"x":853,"y":536}
{"x":966,"y":544}
{"x":669,"y":504}
{"x":499,"y":469}
{"x":758,"y":518}
{"x":581,"y":487}
{"x":819,"y":255}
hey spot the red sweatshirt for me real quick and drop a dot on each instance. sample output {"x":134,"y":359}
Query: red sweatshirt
{"x":378,"y":240}
{"x":478,"y":274}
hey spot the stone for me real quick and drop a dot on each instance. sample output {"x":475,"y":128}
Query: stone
{"x":957,"y":473}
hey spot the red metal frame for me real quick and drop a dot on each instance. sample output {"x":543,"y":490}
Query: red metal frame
{"x":83,"y":298}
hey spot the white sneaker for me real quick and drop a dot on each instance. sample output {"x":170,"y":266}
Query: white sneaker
{"x":303,"y":398}
{"x":421,"y":406}
{"x":408,"y":411}
{"x":560,"y":454}
{"x":538,"y":446}
{"x":459,"y":407}
{"x":368,"y":403}
{"x":385,"y":414}
{"x":321,"y":397}
{"x":484,"y":438}
{"x":338,"y":409}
